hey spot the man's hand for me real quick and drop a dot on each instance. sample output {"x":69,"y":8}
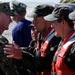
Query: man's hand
{"x":13,"y":51}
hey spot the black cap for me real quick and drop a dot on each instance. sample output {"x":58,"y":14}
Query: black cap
{"x":41,"y":10}
{"x":59,"y":12}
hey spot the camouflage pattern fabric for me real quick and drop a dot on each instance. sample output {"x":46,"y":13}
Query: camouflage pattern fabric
{"x":6,"y":65}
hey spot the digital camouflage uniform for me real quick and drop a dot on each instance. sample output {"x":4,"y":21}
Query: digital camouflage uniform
{"x":6,"y":65}
{"x":10,"y":66}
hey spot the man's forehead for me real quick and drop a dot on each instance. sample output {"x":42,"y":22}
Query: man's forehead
{"x":37,"y":18}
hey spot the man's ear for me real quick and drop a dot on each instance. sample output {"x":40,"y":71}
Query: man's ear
{"x":59,"y":20}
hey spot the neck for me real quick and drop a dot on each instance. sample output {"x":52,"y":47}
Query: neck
{"x":65,"y":34}
{"x":20,"y":18}
{"x":45,"y":30}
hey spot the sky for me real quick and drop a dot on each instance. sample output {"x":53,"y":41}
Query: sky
{"x":54,"y":1}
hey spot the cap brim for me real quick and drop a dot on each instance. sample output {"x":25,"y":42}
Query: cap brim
{"x":72,"y":15}
{"x":50,"y":18}
{"x":31,"y":25}
{"x":11,"y":13}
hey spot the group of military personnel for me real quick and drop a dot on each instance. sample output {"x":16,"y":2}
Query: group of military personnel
{"x":40,"y":60}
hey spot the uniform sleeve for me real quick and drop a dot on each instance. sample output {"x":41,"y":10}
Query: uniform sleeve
{"x":6,"y":67}
{"x":70,"y":58}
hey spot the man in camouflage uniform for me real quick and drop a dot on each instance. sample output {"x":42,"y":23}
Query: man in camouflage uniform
{"x":6,"y":65}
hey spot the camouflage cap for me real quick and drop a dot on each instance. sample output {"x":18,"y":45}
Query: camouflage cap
{"x":59,"y":12}
{"x":41,"y":11}
{"x":18,"y":6}
{"x":5,"y":8}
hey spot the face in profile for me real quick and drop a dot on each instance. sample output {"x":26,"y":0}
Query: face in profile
{"x":58,"y":28}
{"x":39,"y":23}
{"x":34,"y":33}
{"x":5,"y":20}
